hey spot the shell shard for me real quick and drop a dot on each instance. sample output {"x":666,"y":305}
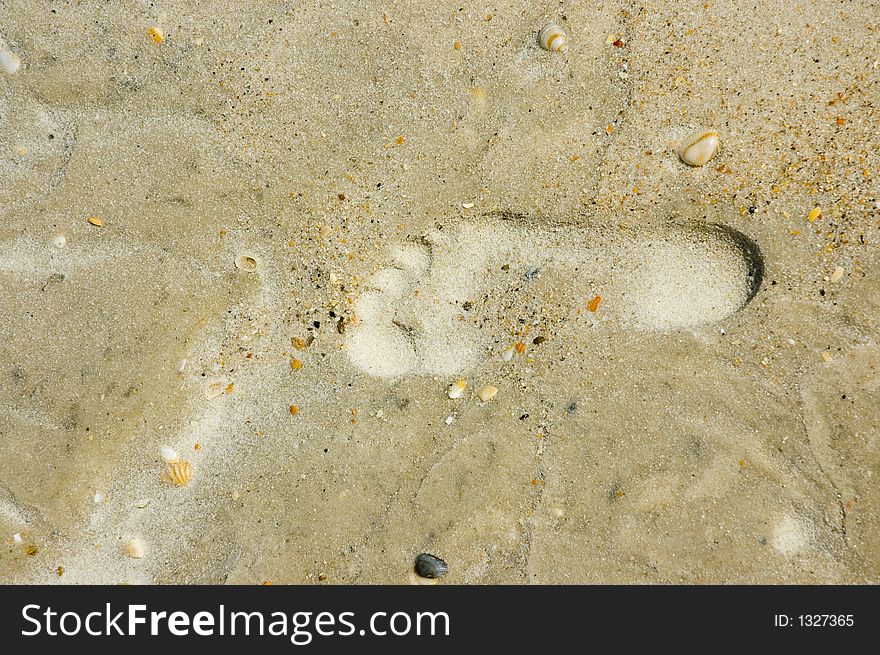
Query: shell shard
{"x":179,"y":472}
{"x":213,"y":390}
{"x":168,"y":454}
{"x":9,"y":61}
{"x":487,"y":393}
{"x":430,"y":566}
{"x":553,"y":39}
{"x":246,"y":263}
{"x":699,"y":147}
{"x":134,"y":548}
{"x":456,"y":389}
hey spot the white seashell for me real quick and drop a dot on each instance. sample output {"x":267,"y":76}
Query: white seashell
{"x":134,"y":548}
{"x":168,"y":454}
{"x":487,"y":393}
{"x":507,"y":355}
{"x":246,"y":263}
{"x":837,"y":275}
{"x":450,"y":419}
{"x":99,"y":498}
{"x":552,"y":38}
{"x":456,"y":389}
{"x":181,"y":365}
{"x":59,"y":241}
{"x":699,"y":147}
{"x":9,"y":61}
{"x":16,"y":538}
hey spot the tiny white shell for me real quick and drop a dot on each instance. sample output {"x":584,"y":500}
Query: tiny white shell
{"x":456,"y":389}
{"x":9,"y":61}
{"x":837,"y":275}
{"x":507,"y":355}
{"x":553,"y":38}
{"x":487,"y":393}
{"x":246,"y":263}
{"x":16,"y":538}
{"x":699,"y":147}
{"x":59,"y":241}
{"x":99,"y":498}
{"x":168,"y":454}
{"x":181,"y":366}
{"x":134,"y":548}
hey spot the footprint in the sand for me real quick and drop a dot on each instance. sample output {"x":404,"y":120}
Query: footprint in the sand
{"x":415,"y":316}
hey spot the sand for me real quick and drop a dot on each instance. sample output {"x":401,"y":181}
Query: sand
{"x":423,"y":188}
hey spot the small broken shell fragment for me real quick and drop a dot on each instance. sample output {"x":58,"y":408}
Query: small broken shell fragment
{"x":837,"y":275}
{"x":9,"y":61}
{"x":553,"y":39}
{"x":214,"y":389}
{"x":507,"y":355}
{"x":430,"y":566}
{"x":156,"y":34}
{"x":179,"y":472}
{"x":94,"y":220}
{"x":16,"y":538}
{"x":699,"y":147}
{"x":168,"y":454}
{"x":134,"y":548}
{"x":487,"y":393}
{"x":815,"y":213}
{"x":246,"y":263}
{"x":456,"y":389}
{"x":59,"y":241}
{"x":181,"y":366}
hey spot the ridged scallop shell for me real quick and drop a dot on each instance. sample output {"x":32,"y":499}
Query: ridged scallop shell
{"x":552,"y":38}
{"x":179,"y":472}
{"x":246,"y":263}
{"x":699,"y":147}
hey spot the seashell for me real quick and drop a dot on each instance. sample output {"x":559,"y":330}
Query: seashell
{"x":552,"y":38}
{"x":456,"y":389}
{"x":837,"y":275}
{"x":246,"y":263}
{"x":16,"y":538}
{"x":815,"y":213}
{"x":214,"y":389}
{"x":134,"y":548}
{"x":94,"y":220}
{"x":9,"y":61}
{"x":487,"y":393}
{"x":179,"y":472}
{"x":181,"y":366}
{"x":59,"y":241}
{"x":430,"y":567}
{"x":699,"y":148}
{"x":168,"y":454}
{"x":156,"y":34}
{"x":507,"y":355}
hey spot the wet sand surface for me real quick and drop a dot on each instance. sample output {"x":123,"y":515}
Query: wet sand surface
{"x":686,"y":358}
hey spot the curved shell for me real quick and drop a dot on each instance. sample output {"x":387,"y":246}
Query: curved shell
{"x":179,"y":472}
{"x":456,"y":389}
{"x":168,"y":454}
{"x":9,"y":61}
{"x":699,"y":147}
{"x":553,"y":38}
{"x":246,"y":263}
{"x":487,"y":393}
{"x":430,"y":566}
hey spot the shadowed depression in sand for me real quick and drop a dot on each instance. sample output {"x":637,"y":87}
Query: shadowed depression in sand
{"x":273,"y":238}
